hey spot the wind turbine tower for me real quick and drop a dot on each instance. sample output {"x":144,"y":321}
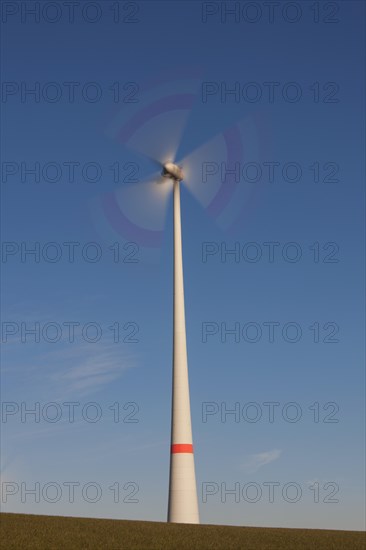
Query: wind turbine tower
{"x":183,"y":501}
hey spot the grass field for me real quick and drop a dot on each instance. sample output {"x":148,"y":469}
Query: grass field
{"x":25,"y":532}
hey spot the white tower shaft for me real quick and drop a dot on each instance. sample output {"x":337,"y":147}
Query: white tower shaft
{"x":183,"y":502}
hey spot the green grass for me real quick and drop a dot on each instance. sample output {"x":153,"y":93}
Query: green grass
{"x":25,"y":532}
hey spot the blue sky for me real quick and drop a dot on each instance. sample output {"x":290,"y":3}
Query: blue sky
{"x":158,"y":50}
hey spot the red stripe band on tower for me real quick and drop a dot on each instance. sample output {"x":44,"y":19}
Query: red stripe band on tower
{"x":182,"y":448}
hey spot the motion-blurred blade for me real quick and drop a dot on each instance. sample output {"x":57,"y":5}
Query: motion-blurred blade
{"x":154,"y":122}
{"x":134,"y":213}
{"x":158,"y":138}
{"x":153,"y":163}
{"x":145,"y":204}
{"x":214,"y":172}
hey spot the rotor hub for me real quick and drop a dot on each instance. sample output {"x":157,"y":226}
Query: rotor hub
{"x":172,"y":171}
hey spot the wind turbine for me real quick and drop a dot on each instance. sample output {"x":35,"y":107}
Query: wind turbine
{"x":137,"y":211}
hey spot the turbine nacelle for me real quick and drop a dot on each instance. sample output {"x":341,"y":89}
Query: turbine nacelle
{"x":172,"y":171}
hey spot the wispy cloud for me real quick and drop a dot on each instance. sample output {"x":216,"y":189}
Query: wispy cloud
{"x":74,"y":369}
{"x":256,"y":461}
{"x":86,"y":369}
